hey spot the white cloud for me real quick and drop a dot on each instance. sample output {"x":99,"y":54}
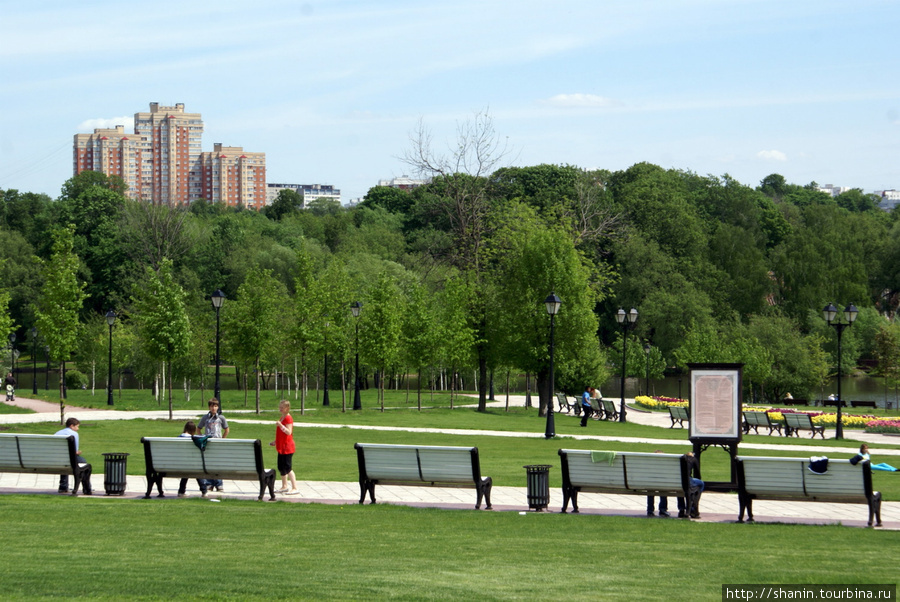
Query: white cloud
{"x":772,"y":155}
{"x":87,"y":127}
{"x":580,"y":100}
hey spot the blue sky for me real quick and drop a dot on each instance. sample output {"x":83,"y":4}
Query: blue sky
{"x":332,"y":90}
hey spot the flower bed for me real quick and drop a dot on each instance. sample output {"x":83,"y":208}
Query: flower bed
{"x":659,"y":403}
{"x":883,"y":426}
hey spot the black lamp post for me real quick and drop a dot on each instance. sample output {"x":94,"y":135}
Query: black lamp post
{"x":12,"y":352}
{"x":47,"y":372}
{"x":34,"y":360}
{"x":356,"y":307}
{"x":552,"y":304}
{"x":647,"y":379}
{"x":218,"y":298}
{"x":626,"y":319}
{"x":325,"y":401}
{"x":831,"y":312}
{"x":110,"y":319}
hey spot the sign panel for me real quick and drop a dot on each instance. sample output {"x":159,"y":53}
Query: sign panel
{"x":716,"y":402}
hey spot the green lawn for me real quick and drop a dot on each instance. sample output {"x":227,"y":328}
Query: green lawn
{"x":113,"y":549}
{"x":327,"y":453}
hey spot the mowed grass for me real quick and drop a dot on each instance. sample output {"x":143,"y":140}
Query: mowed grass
{"x":117,"y":549}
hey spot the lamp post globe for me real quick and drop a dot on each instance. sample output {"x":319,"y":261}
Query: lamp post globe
{"x":552,"y":303}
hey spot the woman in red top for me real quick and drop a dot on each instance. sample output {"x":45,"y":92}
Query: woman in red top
{"x":284,"y":445}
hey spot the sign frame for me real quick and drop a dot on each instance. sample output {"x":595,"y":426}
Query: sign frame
{"x":716,"y":403}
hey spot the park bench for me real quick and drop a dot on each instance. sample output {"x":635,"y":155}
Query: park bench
{"x":754,"y":420}
{"x":422,"y":465}
{"x":42,"y":454}
{"x":679,"y":415}
{"x":863,"y":404}
{"x":597,"y":409}
{"x":628,"y":473}
{"x":609,"y":410}
{"x":793,"y":402}
{"x":180,"y":457}
{"x":565,"y":405}
{"x":794,"y":423}
{"x":769,"y":478}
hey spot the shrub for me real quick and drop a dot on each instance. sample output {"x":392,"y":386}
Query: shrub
{"x":76,"y":379}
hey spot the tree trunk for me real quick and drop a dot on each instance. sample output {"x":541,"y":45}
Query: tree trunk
{"x":544,"y":392}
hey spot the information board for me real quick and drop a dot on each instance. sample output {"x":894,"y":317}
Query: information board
{"x":715,"y":407}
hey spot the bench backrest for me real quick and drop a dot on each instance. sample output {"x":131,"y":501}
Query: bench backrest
{"x":791,"y":477}
{"x":47,"y":454}
{"x":628,"y":471}
{"x":176,"y":456}
{"x":679,"y":413}
{"x":418,"y":463}
{"x":757,"y":418}
{"x":608,"y":406}
{"x":797,"y":420}
{"x":561,"y":400}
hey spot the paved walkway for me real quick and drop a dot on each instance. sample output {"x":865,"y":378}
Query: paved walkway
{"x":715,"y":507}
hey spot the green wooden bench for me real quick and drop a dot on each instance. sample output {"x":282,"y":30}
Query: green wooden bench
{"x":421,"y":465}
{"x":770,"y":478}
{"x":609,"y":410}
{"x":863,"y":404}
{"x":629,"y":473}
{"x":679,"y":415}
{"x":755,"y":420}
{"x":794,"y":423}
{"x":179,"y":457}
{"x":566,"y":406}
{"x":43,"y":454}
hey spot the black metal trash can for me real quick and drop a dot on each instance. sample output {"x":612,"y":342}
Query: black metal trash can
{"x":538,"y":476}
{"x":114,"y":473}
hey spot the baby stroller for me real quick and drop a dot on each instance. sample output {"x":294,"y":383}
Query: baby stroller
{"x":10,"y":393}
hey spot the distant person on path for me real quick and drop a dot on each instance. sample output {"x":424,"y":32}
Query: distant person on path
{"x":214,"y":425}
{"x":72,"y":426}
{"x":10,"y":381}
{"x":284,"y":445}
{"x":585,"y":405}
{"x":190,"y":429}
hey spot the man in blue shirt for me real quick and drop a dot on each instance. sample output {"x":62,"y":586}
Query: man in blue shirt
{"x":72,"y":426}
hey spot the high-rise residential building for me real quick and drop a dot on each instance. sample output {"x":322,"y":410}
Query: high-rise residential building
{"x":234,"y":177}
{"x":163,"y":161}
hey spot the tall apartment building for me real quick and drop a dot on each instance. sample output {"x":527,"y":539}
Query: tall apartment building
{"x":231,"y":176}
{"x":163,"y":161}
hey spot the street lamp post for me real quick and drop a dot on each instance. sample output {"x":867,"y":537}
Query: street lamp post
{"x":12,"y":352}
{"x":830,"y":313}
{"x":356,"y":307}
{"x":47,"y":371}
{"x":34,"y":334}
{"x":110,"y":319}
{"x":626,"y":319}
{"x":552,"y":303}
{"x":218,"y":298}
{"x":325,"y":401}
{"x":647,"y":379}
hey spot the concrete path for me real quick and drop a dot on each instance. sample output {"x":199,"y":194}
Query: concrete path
{"x":715,"y":507}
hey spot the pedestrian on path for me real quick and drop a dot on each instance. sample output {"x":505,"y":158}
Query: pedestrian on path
{"x":284,"y":445}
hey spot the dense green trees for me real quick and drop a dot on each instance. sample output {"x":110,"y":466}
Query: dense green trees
{"x":453,"y":275}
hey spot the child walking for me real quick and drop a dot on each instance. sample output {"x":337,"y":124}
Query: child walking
{"x":284,"y":445}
